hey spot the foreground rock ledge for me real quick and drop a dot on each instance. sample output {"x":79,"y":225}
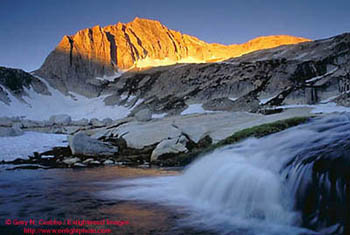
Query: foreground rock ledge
{"x":159,"y":140}
{"x":171,"y":141}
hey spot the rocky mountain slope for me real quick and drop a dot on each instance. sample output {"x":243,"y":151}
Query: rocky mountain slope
{"x":98,"y":52}
{"x":305,"y":73}
{"x":14,"y":81}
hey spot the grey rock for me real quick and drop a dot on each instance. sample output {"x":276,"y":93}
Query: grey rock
{"x":29,"y":123}
{"x":107,"y":121}
{"x":61,"y":119}
{"x":71,"y":160}
{"x":196,"y":127}
{"x":4,"y":96}
{"x":81,"y":122}
{"x":87,"y":161}
{"x":169,"y":146}
{"x":112,"y":100}
{"x":143,"y":115}
{"x":47,"y":123}
{"x":108,"y":162}
{"x":78,"y":164}
{"x":96,"y":123}
{"x":219,"y":104}
{"x":81,"y":144}
{"x":141,"y":134}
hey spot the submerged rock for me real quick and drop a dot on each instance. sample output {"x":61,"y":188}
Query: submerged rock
{"x":81,"y":144}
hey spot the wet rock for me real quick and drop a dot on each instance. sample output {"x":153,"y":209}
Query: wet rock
{"x":108,"y":162}
{"x":71,"y":160}
{"x":79,"y":164}
{"x":81,"y":144}
{"x":87,"y":161}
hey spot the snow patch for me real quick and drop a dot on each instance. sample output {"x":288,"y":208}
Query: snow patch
{"x":322,"y":76}
{"x":161,"y":115}
{"x":301,"y":56}
{"x":194,"y":108}
{"x":41,"y":107}
{"x":25,"y":145}
{"x":266,"y":100}
{"x":110,"y":78}
{"x":233,"y":98}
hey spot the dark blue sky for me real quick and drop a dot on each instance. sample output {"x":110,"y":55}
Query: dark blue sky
{"x":30,"y":29}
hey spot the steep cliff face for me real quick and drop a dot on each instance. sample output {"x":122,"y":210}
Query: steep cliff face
{"x":97,"y":52}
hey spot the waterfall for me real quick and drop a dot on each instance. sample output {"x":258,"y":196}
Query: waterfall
{"x":296,"y":178}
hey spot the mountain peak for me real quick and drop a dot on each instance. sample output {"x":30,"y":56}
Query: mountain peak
{"x":138,"y":19}
{"x":98,"y":51}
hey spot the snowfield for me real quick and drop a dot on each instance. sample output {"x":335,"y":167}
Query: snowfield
{"x":41,"y":107}
{"x":25,"y":145}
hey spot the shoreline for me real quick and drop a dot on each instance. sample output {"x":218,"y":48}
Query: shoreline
{"x":256,"y":125}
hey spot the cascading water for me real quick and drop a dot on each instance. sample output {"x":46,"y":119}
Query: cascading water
{"x":296,"y":178}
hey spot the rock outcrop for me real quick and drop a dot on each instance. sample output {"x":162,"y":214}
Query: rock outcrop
{"x":160,"y":140}
{"x":81,"y":144}
{"x":14,"y":82}
{"x":61,"y":119}
{"x":169,"y":147}
{"x":102,"y":51}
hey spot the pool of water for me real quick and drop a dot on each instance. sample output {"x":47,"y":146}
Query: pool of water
{"x":77,"y":195}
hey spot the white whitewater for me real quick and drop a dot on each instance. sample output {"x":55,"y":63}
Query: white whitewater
{"x":242,"y":188}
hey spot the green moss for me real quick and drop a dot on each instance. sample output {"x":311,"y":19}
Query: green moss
{"x":263,"y":130}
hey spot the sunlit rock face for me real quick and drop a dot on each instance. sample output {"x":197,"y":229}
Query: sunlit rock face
{"x":142,"y":43}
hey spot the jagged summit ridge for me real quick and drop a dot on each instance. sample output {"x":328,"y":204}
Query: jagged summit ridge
{"x":101,"y":51}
